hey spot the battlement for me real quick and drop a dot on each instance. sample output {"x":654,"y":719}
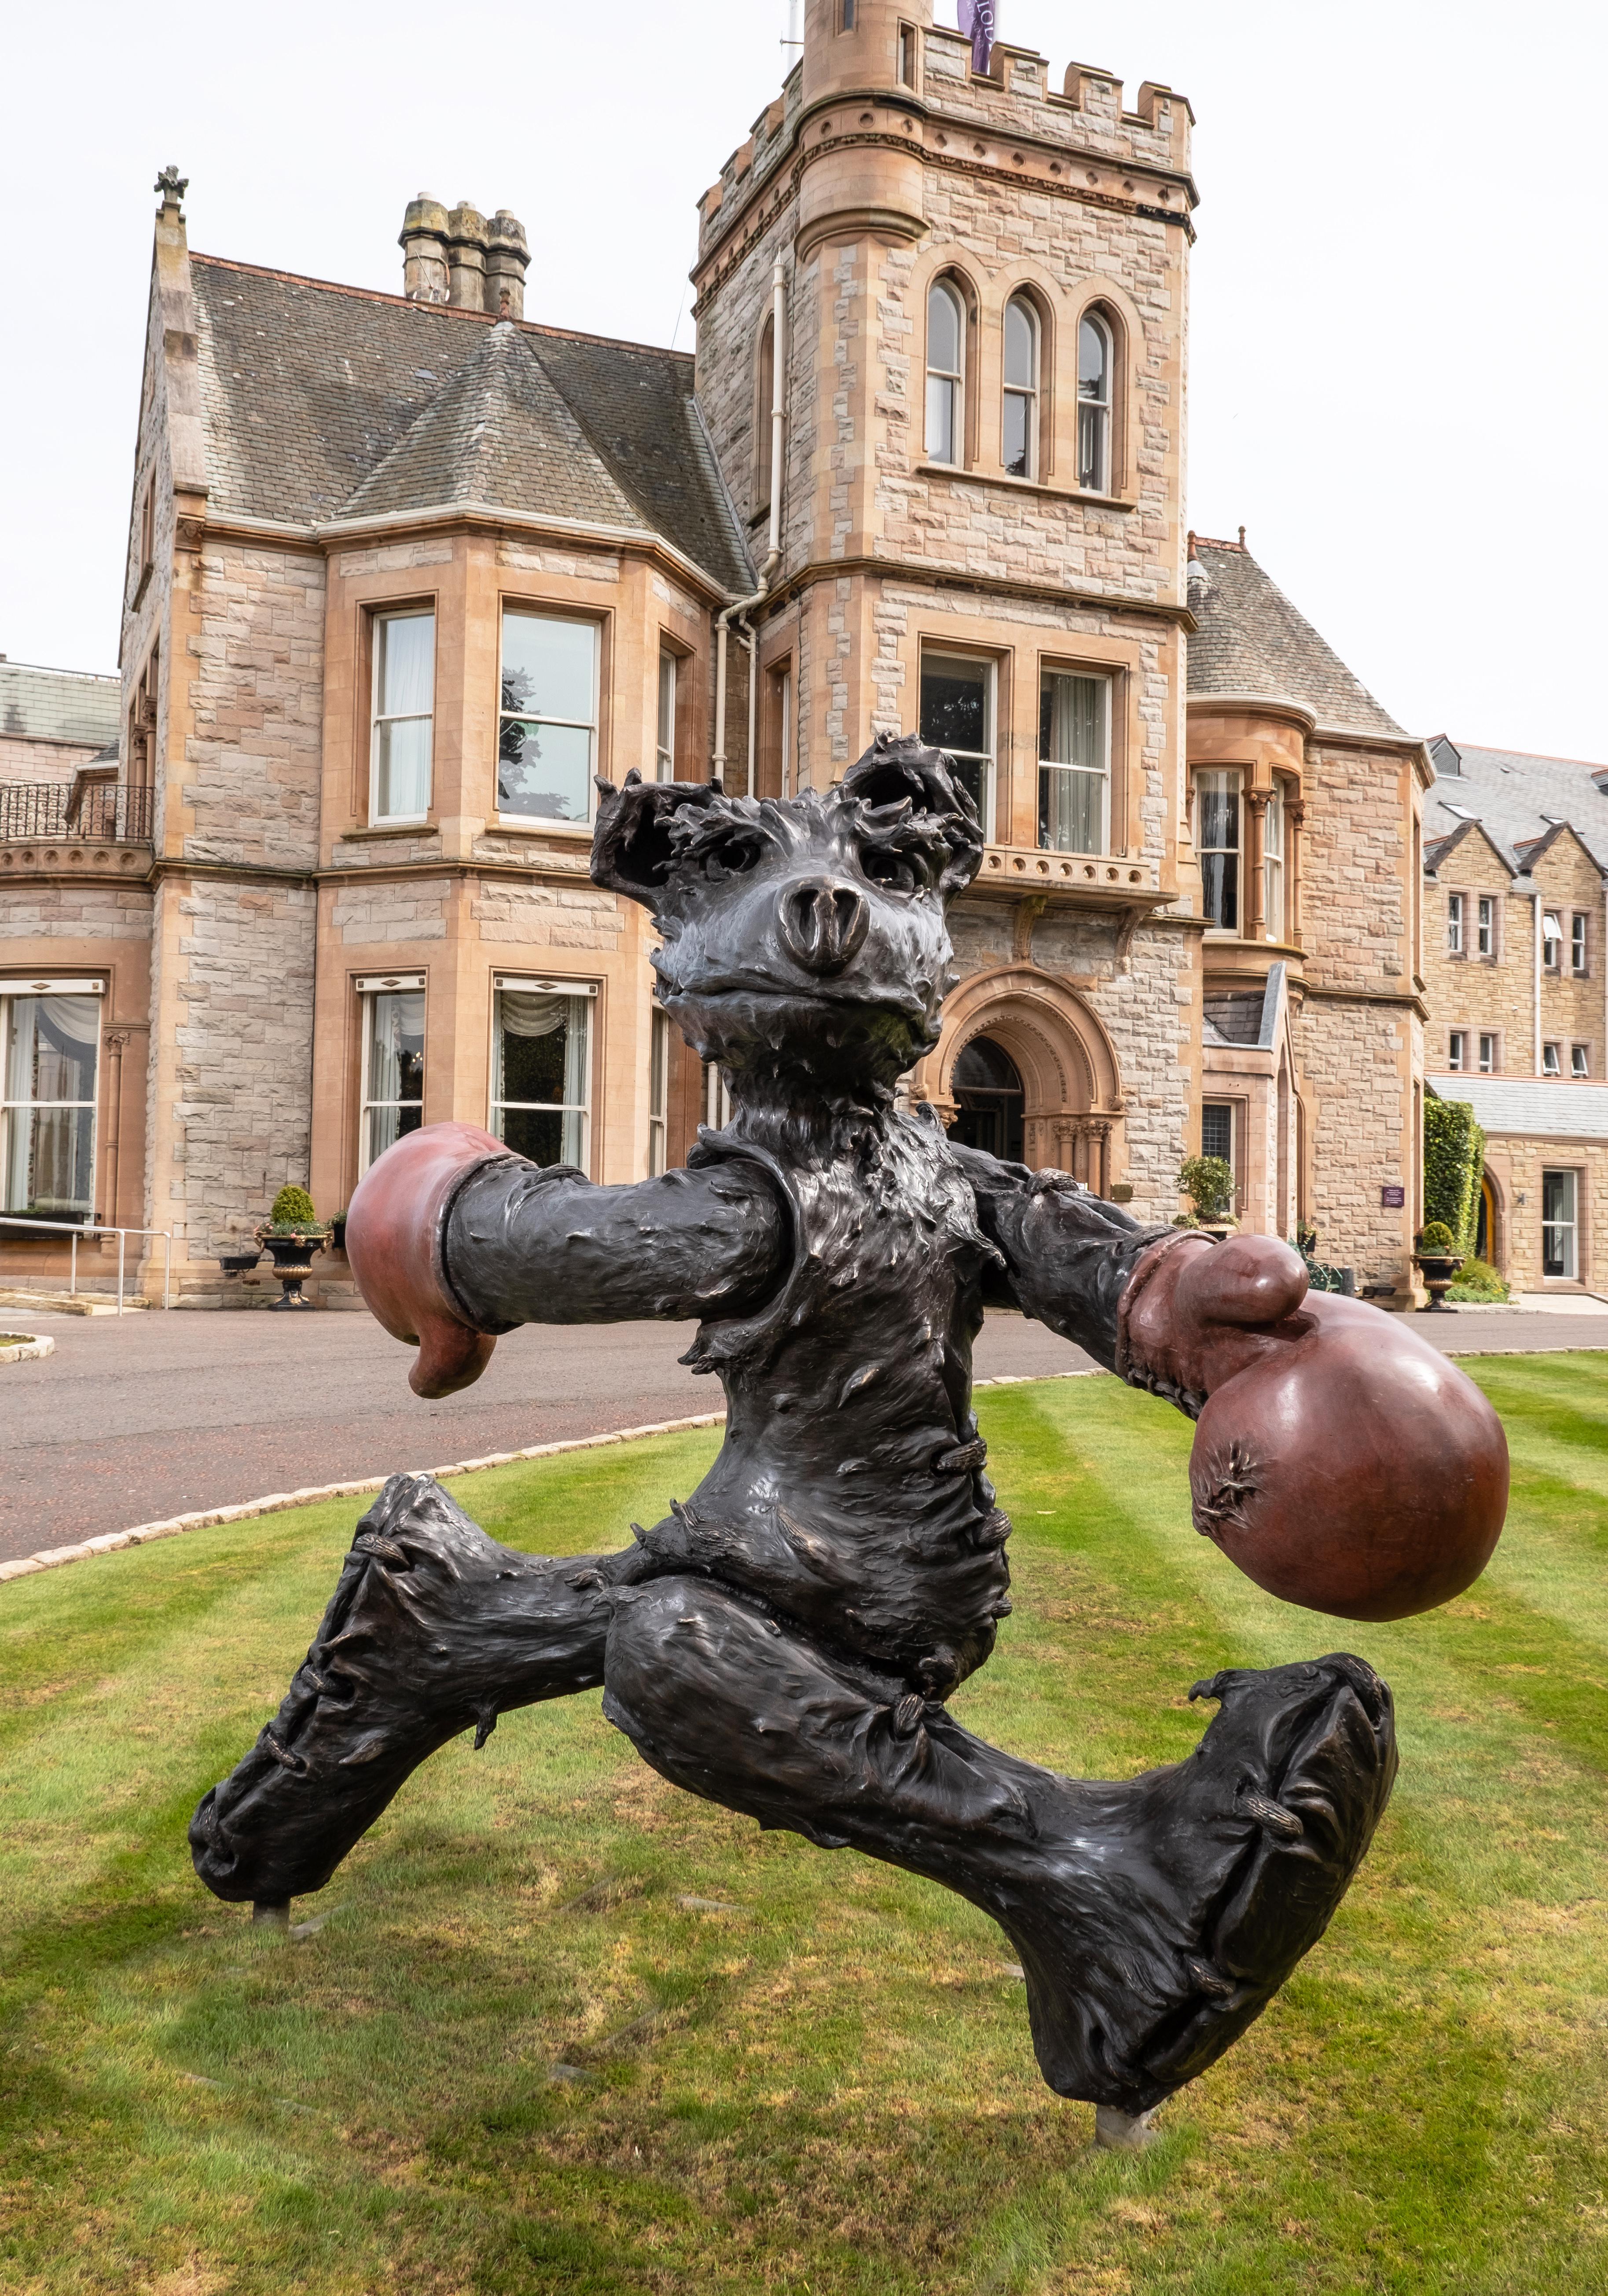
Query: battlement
{"x":1016,"y":118}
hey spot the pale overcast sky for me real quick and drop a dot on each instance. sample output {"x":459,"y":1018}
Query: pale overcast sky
{"x":1398,"y":334}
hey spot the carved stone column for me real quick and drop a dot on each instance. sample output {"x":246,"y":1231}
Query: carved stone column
{"x":1253,"y":923}
{"x":1098,"y":1132}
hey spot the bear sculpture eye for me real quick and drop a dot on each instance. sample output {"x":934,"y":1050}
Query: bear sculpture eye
{"x":894,"y":872}
{"x":732,"y":856}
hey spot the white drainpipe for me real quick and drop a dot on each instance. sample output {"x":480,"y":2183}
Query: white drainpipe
{"x":768,"y":572}
{"x":1536,"y":913}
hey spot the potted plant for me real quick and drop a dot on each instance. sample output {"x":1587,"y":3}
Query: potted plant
{"x":1208,"y":1181}
{"x":1437,"y":1261}
{"x":293,"y":1233}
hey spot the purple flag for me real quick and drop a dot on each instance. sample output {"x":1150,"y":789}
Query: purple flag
{"x":977,"y":19}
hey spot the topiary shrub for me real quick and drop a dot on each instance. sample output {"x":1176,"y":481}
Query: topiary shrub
{"x":1208,"y":1181}
{"x":293,"y":1213}
{"x":1436,"y":1240}
{"x":1454,"y":1158}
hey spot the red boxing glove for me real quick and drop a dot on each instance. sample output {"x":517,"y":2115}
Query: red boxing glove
{"x":1341,"y":1461}
{"x":393,"y":1241}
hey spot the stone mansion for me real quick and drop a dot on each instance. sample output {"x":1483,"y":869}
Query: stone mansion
{"x":406,"y":570}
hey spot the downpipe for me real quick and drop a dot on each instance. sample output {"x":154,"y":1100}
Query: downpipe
{"x":740,"y":607}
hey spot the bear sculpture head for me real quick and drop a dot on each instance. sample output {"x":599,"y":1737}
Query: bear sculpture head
{"x":805,"y":940}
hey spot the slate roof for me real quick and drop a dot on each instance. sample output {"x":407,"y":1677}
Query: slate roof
{"x":1251,"y":641}
{"x":1531,"y":1105}
{"x":322,"y":402}
{"x":58,"y":705}
{"x":1520,"y":800}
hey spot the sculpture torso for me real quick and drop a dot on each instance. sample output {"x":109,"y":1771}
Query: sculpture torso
{"x":849,"y":1492}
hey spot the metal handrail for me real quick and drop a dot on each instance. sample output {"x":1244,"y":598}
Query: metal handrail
{"x":76,"y":1228}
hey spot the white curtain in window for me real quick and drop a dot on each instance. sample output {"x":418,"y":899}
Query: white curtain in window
{"x":535,"y":1012}
{"x":50,"y":1148}
{"x":407,"y":665}
{"x":399,"y":1038}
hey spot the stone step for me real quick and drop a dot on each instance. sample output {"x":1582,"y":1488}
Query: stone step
{"x":68,"y":1303}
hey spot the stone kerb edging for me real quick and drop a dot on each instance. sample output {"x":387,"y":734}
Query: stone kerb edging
{"x":112,"y":1542}
{"x":28,"y":1351}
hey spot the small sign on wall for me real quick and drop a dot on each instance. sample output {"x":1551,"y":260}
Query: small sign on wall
{"x":1392,"y":1199}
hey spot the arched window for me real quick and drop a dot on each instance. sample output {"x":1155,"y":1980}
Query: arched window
{"x":1021,"y":444}
{"x":1095,"y":364}
{"x":946,"y":374}
{"x":765,"y":391}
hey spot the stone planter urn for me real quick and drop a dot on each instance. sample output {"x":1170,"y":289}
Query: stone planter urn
{"x":293,"y":1256}
{"x":1439,"y":1271}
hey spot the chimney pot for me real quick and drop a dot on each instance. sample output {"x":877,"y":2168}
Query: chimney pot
{"x":466,"y":257}
{"x":424,"y":244}
{"x":508,"y":261}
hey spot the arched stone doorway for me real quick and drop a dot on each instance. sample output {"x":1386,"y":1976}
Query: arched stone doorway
{"x":990,"y":1101}
{"x":1072,"y":1093}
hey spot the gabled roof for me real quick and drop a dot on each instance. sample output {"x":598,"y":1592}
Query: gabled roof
{"x":309,"y":389}
{"x":1437,"y":849}
{"x":1522,"y":801}
{"x":496,"y":433}
{"x":1252,"y":642}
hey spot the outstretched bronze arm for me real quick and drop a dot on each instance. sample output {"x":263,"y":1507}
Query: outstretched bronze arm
{"x":459,"y":1242}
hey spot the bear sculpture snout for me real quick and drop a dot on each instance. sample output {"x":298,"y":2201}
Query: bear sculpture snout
{"x":823,"y":923}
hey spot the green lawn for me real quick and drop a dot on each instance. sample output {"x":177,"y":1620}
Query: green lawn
{"x":829,"y":2088}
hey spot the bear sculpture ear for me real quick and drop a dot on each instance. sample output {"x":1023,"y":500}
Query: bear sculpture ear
{"x":632,"y":846}
{"x":900,"y":772}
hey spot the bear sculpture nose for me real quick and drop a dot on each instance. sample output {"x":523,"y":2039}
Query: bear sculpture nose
{"x":824,"y":923}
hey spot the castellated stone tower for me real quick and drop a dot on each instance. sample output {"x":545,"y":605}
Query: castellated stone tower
{"x":980,"y":526}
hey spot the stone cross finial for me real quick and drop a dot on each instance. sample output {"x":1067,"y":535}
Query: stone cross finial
{"x":172,"y":185}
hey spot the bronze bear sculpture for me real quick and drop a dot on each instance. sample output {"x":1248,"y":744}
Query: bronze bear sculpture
{"x":786,"y":1640}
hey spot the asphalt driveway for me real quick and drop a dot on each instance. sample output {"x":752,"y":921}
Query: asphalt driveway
{"x":135,"y":1419}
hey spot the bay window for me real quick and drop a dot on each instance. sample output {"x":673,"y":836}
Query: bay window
{"x":393,"y":1060}
{"x":1074,"y":762}
{"x":49,"y":1037}
{"x":1217,"y":801}
{"x":957,"y":716}
{"x":1273,"y":864}
{"x":541,"y":1068}
{"x":547,"y":732}
{"x":404,"y":715}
